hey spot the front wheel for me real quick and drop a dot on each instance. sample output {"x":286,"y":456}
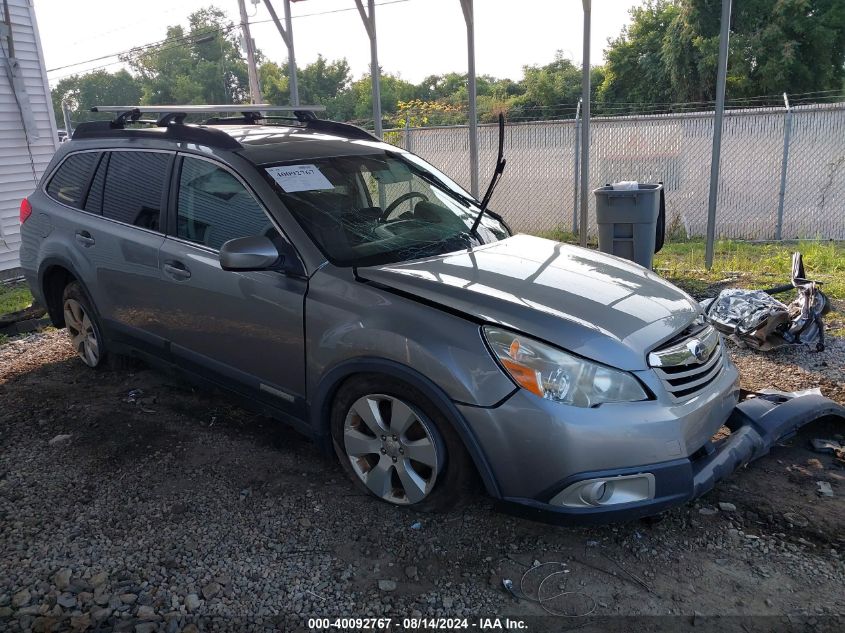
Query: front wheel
{"x":397,"y":446}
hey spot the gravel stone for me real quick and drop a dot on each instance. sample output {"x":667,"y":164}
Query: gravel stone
{"x":100,"y":614}
{"x":724,"y":506}
{"x":192,"y":602}
{"x":62,"y":579}
{"x":66,"y":600}
{"x":146,"y":613}
{"x":128,"y":598}
{"x":210,"y":590}
{"x":386,"y":585}
{"x":80,"y":622}
{"x":21,"y":598}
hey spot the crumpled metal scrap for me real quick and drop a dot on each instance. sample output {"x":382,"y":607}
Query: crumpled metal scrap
{"x":754,"y":318}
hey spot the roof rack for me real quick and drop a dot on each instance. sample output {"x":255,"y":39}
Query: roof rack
{"x":172,"y":119}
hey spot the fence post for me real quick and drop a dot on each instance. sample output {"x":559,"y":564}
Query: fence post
{"x":787,"y":136}
{"x":68,"y":119}
{"x":408,"y":146}
{"x":576,"y":188}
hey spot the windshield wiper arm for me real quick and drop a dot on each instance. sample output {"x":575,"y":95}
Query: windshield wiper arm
{"x":497,"y":174}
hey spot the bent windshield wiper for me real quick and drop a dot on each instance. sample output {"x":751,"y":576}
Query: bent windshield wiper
{"x":497,"y":174}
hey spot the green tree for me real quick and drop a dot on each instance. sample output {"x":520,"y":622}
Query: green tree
{"x":635,"y":71}
{"x":669,"y":53}
{"x":99,"y":87}
{"x":551,"y":91}
{"x":320,"y":82}
{"x":200,"y":65}
{"x":393,"y":89}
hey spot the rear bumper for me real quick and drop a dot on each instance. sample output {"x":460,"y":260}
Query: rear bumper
{"x":756,"y":424}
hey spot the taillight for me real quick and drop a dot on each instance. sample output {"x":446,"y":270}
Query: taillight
{"x":26,"y":210}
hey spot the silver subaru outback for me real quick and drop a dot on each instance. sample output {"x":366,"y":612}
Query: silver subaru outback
{"x":351,"y":289}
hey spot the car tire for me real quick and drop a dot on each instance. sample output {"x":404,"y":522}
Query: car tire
{"x":83,"y":327}
{"x":383,"y":463}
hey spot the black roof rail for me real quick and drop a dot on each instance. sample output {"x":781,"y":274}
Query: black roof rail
{"x":174,"y":132}
{"x":342,"y":129}
{"x":171,"y":125}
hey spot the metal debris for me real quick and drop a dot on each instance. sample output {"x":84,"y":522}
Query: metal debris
{"x":824,"y":489}
{"x":755,"y":319}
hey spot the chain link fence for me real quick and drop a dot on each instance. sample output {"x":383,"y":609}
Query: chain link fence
{"x":537,"y":193}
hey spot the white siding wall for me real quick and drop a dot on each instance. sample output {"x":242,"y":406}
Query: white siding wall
{"x":16,"y":168}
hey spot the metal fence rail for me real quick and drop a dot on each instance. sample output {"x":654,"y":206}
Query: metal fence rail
{"x":537,"y":195}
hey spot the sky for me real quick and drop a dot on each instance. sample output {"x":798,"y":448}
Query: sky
{"x":416,"y":38}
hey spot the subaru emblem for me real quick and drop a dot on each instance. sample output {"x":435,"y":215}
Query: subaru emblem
{"x":696,"y":348}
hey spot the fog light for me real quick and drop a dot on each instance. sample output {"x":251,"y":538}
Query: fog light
{"x":595,"y":492}
{"x":606,"y":491}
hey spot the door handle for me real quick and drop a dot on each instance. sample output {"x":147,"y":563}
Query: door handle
{"x":84,"y":238}
{"x":177,"y":270}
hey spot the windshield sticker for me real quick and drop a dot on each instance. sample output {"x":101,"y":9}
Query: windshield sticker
{"x":293,"y":178}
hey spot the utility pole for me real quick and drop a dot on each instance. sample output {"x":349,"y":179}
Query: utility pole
{"x":585,"y":125}
{"x":254,"y":88}
{"x":469,"y":18}
{"x":369,"y":19}
{"x":721,"y":77}
{"x":287,"y":37}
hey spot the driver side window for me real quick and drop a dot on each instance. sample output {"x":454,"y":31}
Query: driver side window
{"x":214,"y":207}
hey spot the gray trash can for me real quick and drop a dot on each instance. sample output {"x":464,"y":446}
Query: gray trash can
{"x":627,"y":220}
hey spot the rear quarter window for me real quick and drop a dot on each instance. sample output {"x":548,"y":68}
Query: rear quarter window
{"x":69,"y":183}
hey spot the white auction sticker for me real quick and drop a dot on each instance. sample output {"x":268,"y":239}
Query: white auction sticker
{"x":293,"y":178}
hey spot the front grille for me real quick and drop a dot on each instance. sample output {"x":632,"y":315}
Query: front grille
{"x":682,"y":372}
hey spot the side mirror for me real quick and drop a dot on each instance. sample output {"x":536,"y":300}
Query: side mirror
{"x":258,"y":253}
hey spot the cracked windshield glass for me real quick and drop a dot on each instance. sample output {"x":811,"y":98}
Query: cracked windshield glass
{"x":381,"y":208}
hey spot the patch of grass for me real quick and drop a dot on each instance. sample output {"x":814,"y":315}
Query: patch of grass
{"x":754,"y":265}
{"x":14,"y":297}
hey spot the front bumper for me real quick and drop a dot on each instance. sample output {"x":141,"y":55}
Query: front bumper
{"x":755,"y":424}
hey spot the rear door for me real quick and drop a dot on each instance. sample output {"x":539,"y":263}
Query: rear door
{"x":130,"y":191}
{"x":246,"y":327}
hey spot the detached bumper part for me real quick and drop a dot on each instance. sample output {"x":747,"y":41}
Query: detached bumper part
{"x":755,"y":424}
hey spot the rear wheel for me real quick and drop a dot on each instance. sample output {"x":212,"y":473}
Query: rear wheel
{"x":83,"y":328}
{"x":397,"y":446}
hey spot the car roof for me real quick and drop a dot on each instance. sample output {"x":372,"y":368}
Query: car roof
{"x":264,"y":144}
{"x":259,"y":144}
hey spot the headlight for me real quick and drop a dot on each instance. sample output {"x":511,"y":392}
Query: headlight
{"x":553,"y":374}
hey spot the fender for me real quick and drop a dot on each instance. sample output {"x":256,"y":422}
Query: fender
{"x":50,"y":262}
{"x":320,"y":410}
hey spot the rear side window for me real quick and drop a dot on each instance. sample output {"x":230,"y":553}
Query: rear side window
{"x":70,"y":180}
{"x":214,"y":207}
{"x":134,"y":188}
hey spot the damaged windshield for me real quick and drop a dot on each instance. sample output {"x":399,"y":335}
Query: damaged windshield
{"x":380,"y":208}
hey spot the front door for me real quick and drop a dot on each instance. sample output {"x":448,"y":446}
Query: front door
{"x":245,"y":328}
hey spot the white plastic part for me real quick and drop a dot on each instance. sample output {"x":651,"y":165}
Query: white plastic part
{"x":606,"y":491}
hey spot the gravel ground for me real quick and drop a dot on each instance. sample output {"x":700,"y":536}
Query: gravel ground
{"x":131,"y":502}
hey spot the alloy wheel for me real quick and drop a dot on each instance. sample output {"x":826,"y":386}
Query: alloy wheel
{"x":82,"y":333}
{"x":392,"y":448}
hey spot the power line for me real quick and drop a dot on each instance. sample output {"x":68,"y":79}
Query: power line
{"x":192,"y":35}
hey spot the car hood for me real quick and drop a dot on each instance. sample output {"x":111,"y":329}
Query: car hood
{"x":598,"y":306}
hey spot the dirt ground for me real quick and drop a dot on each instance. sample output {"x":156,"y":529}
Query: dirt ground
{"x":214,"y":518}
